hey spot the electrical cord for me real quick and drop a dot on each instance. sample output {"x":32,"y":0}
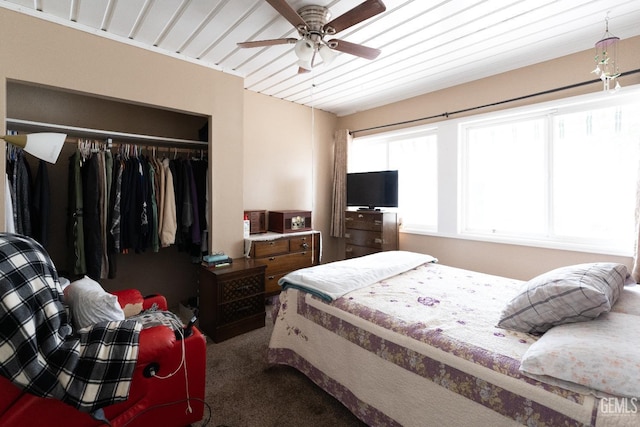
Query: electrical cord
{"x":183,"y":363}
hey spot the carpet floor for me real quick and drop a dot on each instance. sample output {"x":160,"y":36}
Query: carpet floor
{"x":242,"y":389}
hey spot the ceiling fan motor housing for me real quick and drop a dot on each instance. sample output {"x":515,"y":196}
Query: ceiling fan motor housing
{"x":315,"y":17}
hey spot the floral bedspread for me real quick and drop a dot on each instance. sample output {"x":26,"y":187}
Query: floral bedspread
{"x":450,"y":309}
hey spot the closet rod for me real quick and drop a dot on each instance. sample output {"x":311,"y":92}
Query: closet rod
{"x":97,"y":133}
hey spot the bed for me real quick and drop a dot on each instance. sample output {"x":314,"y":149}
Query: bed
{"x":417,"y":343}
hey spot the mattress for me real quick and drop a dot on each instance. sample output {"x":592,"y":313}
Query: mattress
{"x":421,"y":348}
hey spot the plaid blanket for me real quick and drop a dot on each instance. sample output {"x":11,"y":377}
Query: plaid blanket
{"x":40,"y":352}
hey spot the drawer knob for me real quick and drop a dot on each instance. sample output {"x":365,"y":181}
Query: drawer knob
{"x":347,"y":235}
{"x":305,"y":245}
{"x":272,"y":243}
{"x":377,"y":240}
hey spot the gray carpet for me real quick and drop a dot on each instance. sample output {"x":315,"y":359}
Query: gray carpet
{"x":242,"y":389}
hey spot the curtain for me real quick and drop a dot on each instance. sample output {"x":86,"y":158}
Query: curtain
{"x":342,"y":138}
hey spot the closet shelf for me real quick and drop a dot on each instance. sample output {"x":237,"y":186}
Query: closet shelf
{"x":28,"y":125}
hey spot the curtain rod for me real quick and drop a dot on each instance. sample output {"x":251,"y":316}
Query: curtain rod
{"x":493,"y":104}
{"x":97,"y":133}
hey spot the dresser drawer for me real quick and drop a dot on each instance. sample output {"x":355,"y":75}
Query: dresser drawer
{"x":289,"y":262}
{"x":352,"y":251}
{"x":270,"y":247}
{"x":361,"y":221}
{"x":271,"y":285}
{"x":282,"y":254}
{"x":240,"y":288}
{"x":300,"y":244}
{"x":240,"y":309}
{"x":364,"y":238}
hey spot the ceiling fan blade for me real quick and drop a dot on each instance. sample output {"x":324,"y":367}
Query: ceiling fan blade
{"x":272,"y":42}
{"x":354,"y":49}
{"x":287,"y":12}
{"x":354,"y":16}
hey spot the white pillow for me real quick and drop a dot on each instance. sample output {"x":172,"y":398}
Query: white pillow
{"x":600,"y":354}
{"x":629,"y":301}
{"x":90,"y":304}
{"x":565,"y":295}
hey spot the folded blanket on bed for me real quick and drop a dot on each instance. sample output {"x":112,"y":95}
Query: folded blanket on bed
{"x":333,"y":280}
{"x":39,"y":351}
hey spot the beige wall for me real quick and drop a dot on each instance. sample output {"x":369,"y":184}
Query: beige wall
{"x":286,"y":165}
{"x":509,"y":260}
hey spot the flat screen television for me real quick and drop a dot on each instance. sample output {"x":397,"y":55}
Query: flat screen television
{"x":371,"y":190}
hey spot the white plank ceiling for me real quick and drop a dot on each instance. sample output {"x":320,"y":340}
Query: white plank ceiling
{"x":426,"y":45}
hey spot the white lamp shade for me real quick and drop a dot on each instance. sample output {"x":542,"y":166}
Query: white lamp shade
{"x":45,"y":146}
{"x":304,"y":50}
{"x":305,"y":64}
{"x":327,"y":54}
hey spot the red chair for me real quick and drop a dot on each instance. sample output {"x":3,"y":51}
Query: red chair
{"x":153,"y":400}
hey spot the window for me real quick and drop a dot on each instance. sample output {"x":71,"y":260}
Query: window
{"x":565,"y":178}
{"x":414,"y":155}
{"x":560,"y":174}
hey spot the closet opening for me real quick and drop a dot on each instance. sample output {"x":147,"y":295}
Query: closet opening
{"x":127,"y":131}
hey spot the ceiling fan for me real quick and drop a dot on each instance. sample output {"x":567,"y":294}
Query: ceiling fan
{"x":312,"y":23}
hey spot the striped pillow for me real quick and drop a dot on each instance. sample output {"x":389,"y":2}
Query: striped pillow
{"x":565,"y":295}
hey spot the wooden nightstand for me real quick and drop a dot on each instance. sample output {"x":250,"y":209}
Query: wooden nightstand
{"x":231,"y":299}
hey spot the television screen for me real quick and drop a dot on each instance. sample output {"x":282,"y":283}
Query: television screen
{"x":373,"y":189}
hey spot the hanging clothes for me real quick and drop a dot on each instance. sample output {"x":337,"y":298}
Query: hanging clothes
{"x":155,"y":242}
{"x":21,"y":188}
{"x":41,"y":205}
{"x":91,"y":214}
{"x":195,"y":234}
{"x":9,"y":225}
{"x":113,"y":236}
{"x":169,"y":218}
{"x":200,"y":168}
{"x":75,"y":218}
{"x":28,"y":200}
{"x":130,"y":202}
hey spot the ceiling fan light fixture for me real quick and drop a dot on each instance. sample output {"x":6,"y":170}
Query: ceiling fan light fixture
{"x":304,"y":50}
{"x":306,"y":64}
{"x":327,"y":54}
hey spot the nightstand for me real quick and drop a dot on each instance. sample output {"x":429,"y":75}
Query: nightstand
{"x":231,"y":299}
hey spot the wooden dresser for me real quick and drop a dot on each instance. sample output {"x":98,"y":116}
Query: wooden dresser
{"x":231,"y":299}
{"x":367,"y":232}
{"x":283,"y":253}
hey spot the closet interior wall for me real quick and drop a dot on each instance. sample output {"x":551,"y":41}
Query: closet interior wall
{"x":169,"y":271}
